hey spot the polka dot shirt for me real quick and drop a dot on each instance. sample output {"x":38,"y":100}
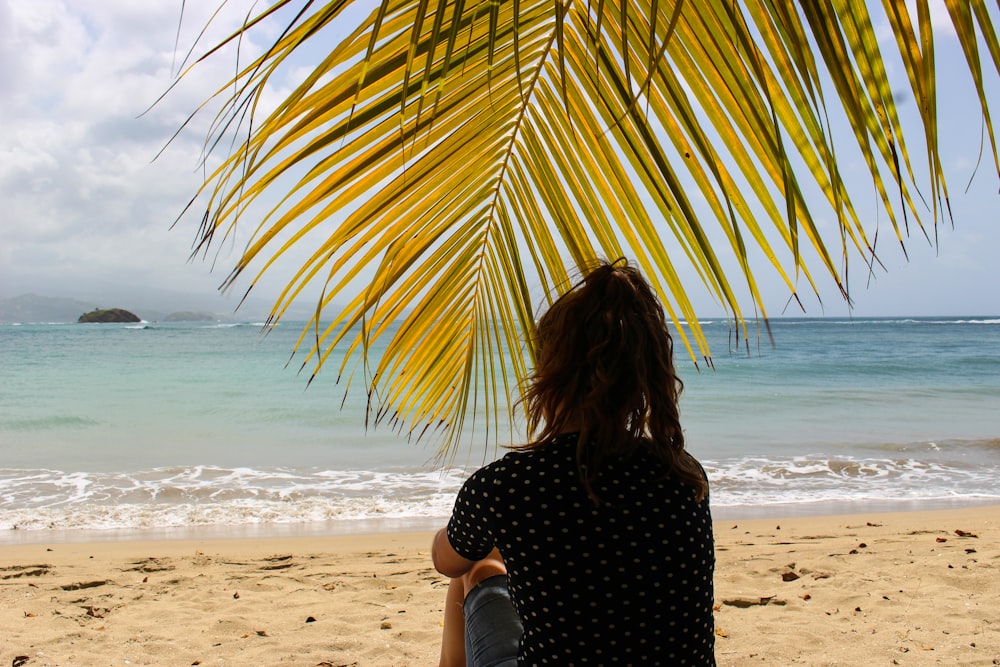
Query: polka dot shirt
{"x":626,"y":582}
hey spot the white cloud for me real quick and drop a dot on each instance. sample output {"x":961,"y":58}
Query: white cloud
{"x":81,"y":195}
{"x":83,"y":206}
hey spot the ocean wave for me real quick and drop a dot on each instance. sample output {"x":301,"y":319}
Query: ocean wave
{"x":882,"y":321}
{"x":961,"y":321}
{"x":50,"y":422}
{"x":955,"y":448}
{"x":240,"y":512}
{"x":236,"y":325}
{"x":807,"y":479}
{"x":206,"y":495}
{"x":212,"y":496}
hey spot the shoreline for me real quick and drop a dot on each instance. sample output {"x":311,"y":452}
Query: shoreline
{"x":377,"y":526}
{"x":369,"y":534}
{"x":916,"y":587}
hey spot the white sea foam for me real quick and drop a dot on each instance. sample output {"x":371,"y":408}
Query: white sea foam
{"x":204,"y":495}
{"x":759,"y":481}
{"x":881,"y":321}
{"x":209,"y":496}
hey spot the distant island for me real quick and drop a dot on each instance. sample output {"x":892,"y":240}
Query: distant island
{"x":109,"y":315}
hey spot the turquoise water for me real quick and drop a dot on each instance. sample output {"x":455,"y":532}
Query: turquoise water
{"x":183,"y":425}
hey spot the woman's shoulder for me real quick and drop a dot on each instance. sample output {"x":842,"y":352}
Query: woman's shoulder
{"x":532,"y":458}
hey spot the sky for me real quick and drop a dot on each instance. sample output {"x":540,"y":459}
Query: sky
{"x":87,"y":199}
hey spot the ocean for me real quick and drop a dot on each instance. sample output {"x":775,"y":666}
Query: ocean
{"x":119,"y":431}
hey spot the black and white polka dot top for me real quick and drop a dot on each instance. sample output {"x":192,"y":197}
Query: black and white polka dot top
{"x":627,"y":582}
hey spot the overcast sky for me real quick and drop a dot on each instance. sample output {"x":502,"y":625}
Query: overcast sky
{"x":86,"y":212}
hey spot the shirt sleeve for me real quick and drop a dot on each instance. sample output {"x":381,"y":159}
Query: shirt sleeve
{"x":469,"y":527}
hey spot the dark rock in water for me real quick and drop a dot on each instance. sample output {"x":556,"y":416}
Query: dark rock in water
{"x":109,"y":315}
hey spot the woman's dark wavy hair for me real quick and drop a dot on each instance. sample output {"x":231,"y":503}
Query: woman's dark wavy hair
{"x":604,"y":367}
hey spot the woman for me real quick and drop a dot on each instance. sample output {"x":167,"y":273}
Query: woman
{"x":592,"y":544}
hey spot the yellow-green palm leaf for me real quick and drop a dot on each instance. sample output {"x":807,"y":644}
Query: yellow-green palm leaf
{"x":461,"y":159}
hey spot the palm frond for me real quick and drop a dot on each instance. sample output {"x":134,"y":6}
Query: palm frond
{"x":451,"y":155}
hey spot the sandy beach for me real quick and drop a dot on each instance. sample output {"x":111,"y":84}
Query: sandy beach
{"x":914,"y":588}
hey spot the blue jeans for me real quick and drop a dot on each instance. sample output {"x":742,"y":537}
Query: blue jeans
{"x":492,"y":627}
